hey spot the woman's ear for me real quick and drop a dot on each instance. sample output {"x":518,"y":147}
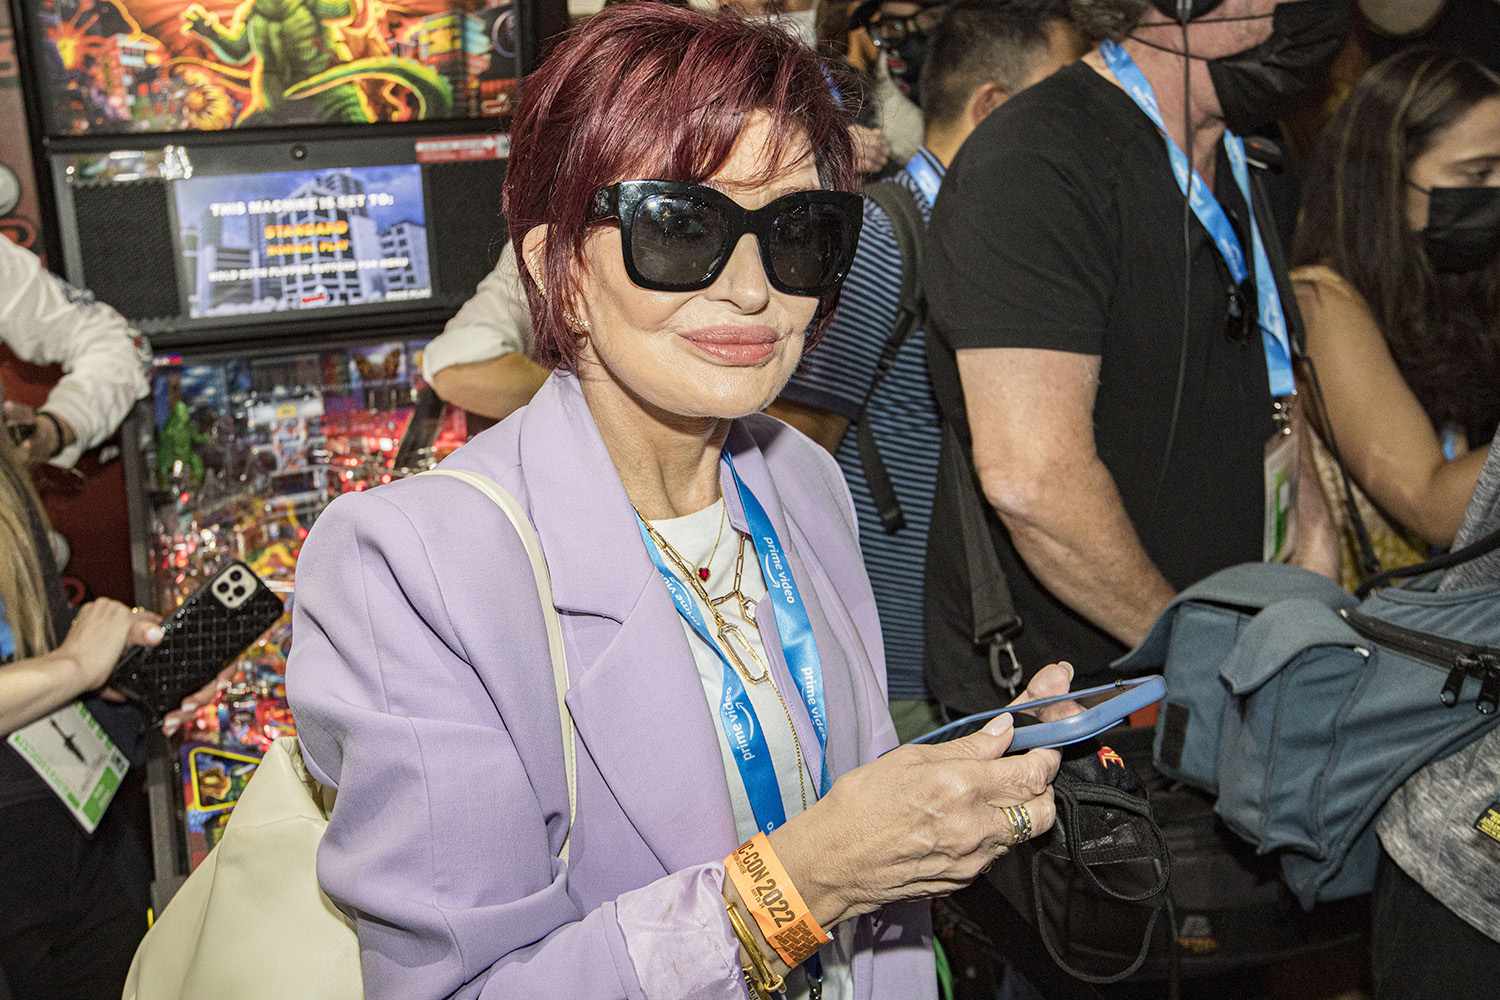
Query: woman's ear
{"x":534,"y":253}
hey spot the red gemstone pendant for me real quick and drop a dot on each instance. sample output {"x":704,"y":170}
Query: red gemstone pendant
{"x":703,"y":573}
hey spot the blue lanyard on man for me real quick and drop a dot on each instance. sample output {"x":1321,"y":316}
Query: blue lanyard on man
{"x":927,"y":173}
{"x":1271,"y":316}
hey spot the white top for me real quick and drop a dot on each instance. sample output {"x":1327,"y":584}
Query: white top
{"x":693,"y":538}
{"x":105,"y":363}
{"x":900,"y":119}
{"x":494,"y":322}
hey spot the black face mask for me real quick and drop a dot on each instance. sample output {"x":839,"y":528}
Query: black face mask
{"x":1463,"y":227}
{"x":912,"y":51}
{"x":1255,"y":86}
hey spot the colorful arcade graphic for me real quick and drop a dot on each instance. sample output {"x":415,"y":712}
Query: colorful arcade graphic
{"x":311,"y":239}
{"x":113,"y":66}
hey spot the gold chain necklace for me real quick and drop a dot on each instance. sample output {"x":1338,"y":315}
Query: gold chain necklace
{"x":704,"y":570}
{"x":724,"y":629}
{"x":728,"y":633}
{"x":747,"y":610}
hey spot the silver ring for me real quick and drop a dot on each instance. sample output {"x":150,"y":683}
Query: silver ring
{"x":1020,"y":822}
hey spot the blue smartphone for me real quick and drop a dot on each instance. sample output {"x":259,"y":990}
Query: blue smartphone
{"x":1104,"y":707}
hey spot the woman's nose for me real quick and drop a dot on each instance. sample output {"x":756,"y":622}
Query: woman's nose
{"x":743,"y":282}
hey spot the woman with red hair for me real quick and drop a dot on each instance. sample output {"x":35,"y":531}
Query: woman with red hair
{"x":681,"y":197}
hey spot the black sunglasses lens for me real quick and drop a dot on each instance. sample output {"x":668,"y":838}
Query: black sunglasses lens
{"x":810,"y":247}
{"x":676,"y":239}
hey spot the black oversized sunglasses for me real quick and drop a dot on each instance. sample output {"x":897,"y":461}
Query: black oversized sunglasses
{"x":677,"y":236}
{"x":888,"y":32}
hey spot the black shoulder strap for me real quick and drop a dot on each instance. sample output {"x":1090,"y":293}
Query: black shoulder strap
{"x":901,"y":206}
{"x":994,"y":619}
{"x":1369,"y":563}
{"x":1481,"y":546}
{"x":995,"y":622}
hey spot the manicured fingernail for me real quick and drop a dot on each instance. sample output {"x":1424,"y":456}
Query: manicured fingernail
{"x":154,"y":633}
{"x":189,"y":706}
{"x":170,"y":726}
{"x":1071,"y":671}
{"x":999,"y":724}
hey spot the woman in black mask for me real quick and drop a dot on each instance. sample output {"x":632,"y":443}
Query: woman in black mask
{"x":1399,"y":282}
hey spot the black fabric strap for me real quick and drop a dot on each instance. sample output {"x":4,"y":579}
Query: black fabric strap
{"x":906,"y":220}
{"x":1481,"y":546}
{"x":995,"y":622}
{"x":1073,"y":798}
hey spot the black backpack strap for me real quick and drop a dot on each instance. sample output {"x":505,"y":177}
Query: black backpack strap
{"x":1481,"y":546}
{"x":1369,"y":563}
{"x":995,"y":622}
{"x":900,"y":205}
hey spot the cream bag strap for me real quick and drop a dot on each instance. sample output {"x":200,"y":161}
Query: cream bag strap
{"x":543,"y":579}
{"x":259,"y":887}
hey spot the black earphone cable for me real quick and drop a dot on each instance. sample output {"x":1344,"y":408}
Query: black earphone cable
{"x":1184,"y":11}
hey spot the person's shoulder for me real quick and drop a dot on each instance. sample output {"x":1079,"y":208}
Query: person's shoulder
{"x":810,"y":480}
{"x":1322,"y":277}
{"x":878,"y":234}
{"x":1073,"y":119}
{"x":1335,"y":314}
{"x":790,"y":454}
{"x":445,"y":516}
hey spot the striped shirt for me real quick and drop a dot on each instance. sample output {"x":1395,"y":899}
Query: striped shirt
{"x":903,"y":415}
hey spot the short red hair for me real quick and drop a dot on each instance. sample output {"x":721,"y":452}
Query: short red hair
{"x":648,"y":90}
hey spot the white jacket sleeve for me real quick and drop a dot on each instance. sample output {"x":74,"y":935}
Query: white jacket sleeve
{"x":494,"y":322}
{"x":44,"y":320}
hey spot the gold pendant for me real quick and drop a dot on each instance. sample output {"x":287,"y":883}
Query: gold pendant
{"x":747,"y":609}
{"x":730,"y":636}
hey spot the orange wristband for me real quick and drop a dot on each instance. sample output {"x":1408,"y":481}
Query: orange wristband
{"x":777,"y":906}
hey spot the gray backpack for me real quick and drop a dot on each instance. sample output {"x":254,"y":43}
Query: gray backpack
{"x":1303,"y":707}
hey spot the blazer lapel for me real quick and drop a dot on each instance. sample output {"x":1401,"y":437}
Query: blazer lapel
{"x":637,"y":703}
{"x":640,"y":711}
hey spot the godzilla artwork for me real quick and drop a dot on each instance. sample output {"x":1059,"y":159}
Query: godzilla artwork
{"x":298,"y":54}
{"x":169,"y":65}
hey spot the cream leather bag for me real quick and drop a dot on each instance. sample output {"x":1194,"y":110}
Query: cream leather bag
{"x":259,"y":887}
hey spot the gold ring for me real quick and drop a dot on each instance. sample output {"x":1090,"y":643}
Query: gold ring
{"x":137,"y":610}
{"x":1020,"y":822}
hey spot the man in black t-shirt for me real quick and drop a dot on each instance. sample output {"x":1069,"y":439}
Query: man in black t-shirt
{"x":1110,"y":388}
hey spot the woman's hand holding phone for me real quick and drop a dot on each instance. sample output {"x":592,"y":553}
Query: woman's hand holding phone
{"x":922,"y":820}
{"x":101,"y":632}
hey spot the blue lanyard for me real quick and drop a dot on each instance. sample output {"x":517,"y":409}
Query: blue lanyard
{"x":1272,"y":318}
{"x":926,"y":174}
{"x":737,"y":716}
{"x":798,"y":644}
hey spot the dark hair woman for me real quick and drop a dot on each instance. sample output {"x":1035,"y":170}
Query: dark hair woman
{"x":72,"y":907}
{"x":680,"y":194}
{"x":1399,"y":281}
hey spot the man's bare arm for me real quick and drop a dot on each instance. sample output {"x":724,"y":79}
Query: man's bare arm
{"x":823,"y":426}
{"x":492,"y":388}
{"x":1031,"y":415}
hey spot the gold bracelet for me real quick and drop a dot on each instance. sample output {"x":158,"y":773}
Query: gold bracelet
{"x":783,"y":915}
{"x":759,"y":976}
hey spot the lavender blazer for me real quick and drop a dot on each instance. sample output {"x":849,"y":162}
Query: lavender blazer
{"x":421,"y":683}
